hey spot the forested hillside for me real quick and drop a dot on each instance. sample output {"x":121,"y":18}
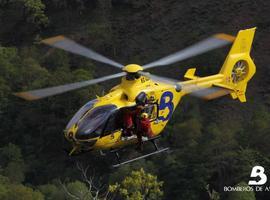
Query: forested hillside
{"x":214,"y":143}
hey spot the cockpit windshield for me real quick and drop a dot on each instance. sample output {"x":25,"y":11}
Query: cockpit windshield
{"x":80,"y":113}
{"x":93,"y":122}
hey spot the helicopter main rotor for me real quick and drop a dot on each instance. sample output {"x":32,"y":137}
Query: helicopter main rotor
{"x":61,"y":42}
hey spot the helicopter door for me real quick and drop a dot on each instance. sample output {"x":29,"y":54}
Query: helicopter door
{"x":113,"y":124}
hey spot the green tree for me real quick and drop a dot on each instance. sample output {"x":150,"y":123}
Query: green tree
{"x":11,"y":161}
{"x":52,"y":192}
{"x":4,"y":188}
{"x":4,"y":90}
{"x":21,"y":192}
{"x":14,"y":191}
{"x":34,"y":12}
{"x":8,"y":56}
{"x":242,"y":195}
{"x":138,"y":186}
{"x":213,"y":195}
{"x":259,"y":124}
{"x":23,"y":18}
{"x":82,"y":191}
{"x":78,"y":189}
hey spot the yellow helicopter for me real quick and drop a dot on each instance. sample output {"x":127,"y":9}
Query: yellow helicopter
{"x":98,"y":124}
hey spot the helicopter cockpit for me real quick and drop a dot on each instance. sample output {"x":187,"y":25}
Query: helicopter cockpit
{"x":104,"y":120}
{"x":89,"y":105}
{"x":93,"y":123}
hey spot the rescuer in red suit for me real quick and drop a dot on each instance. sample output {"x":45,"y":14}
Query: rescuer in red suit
{"x":130,"y":120}
{"x":143,"y":129}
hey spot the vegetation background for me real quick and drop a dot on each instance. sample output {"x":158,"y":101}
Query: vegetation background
{"x":215,"y":143}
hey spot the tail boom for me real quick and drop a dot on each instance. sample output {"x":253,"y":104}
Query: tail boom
{"x":234,"y":75}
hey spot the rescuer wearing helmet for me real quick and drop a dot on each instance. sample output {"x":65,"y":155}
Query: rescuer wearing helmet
{"x":143,"y":128}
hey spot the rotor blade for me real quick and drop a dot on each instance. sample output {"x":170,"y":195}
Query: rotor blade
{"x":46,"y":92}
{"x":66,"y":44}
{"x":208,"y":44}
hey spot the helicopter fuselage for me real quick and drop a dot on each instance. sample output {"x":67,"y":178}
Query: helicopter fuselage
{"x":164,"y":99}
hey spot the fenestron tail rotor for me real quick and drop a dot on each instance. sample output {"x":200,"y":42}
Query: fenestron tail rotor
{"x":239,"y":72}
{"x":46,"y":92}
{"x":214,"y":42}
{"x":69,"y":45}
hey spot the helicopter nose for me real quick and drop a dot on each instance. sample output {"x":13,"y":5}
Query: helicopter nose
{"x":69,"y":135}
{"x":82,"y":140}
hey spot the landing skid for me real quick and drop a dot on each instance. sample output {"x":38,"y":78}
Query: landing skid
{"x":157,"y":151}
{"x":141,"y":157}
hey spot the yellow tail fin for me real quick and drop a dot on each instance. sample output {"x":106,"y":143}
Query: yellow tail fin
{"x":238,"y":67}
{"x":235,"y":73}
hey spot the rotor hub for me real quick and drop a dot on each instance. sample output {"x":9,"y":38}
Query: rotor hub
{"x":132,"y":68}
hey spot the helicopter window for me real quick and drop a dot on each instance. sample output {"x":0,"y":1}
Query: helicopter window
{"x":93,"y":122}
{"x":113,"y":123}
{"x":80,"y":113}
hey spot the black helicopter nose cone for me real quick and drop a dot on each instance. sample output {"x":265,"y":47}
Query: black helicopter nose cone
{"x":82,"y":135}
